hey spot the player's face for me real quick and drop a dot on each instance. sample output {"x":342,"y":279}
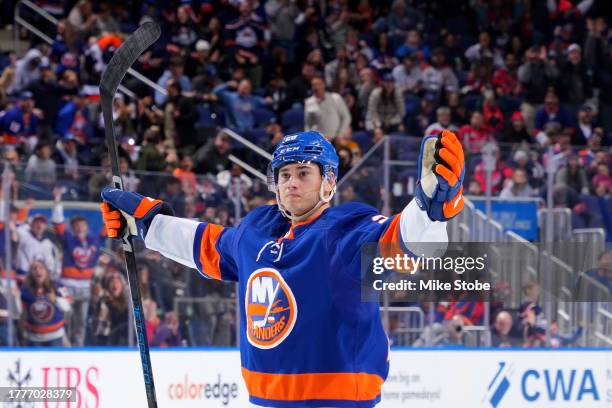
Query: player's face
{"x":299,"y":185}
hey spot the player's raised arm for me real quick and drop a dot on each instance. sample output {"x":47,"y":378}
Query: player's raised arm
{"x":191,"y":243}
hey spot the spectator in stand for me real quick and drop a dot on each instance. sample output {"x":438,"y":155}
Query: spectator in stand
{"x":43,"y":308}
{"x":475,"y":135}
{"x":35,"y":245}
{"x":385,"y":107}
{"x":518,"y":187}
{"x":48,"y":95}
{"x":484,"y":50}
{"x":550,"y":115}
{"x":413,"y":44}
{"x":408,"y":76}
{"x":454,"y":332}
{"x":438,"y":77}
{"x":535,"y":171}
{"x":81,"y":250}
{"x":284,"y":17}
{"x":246,"y":40}
{"x":184,"y":172}
{"x":175,"y":71}
{"x":184,"y":33}
{"x":213,"y":157}
{"x":112,"y":319}
{"x":168,"y":334}
{"x":27,"y":71}
{"x":82,"y":21}
{"x":443,"y":116}
{"x":586,"y":126}
{"x":67,"y":156}
{"x":240,"y":104}
{"x":532,"y":317}
{"x":41,"y":169}
{"x":180,"y":115}
{"x":326,"y":111}
{"x":502,"y":328}
{"x":364,"y":88}
{"x":537,"y":76}
{"x":492,"y":114}
{"x":333,"y":68}
{"x":19,"y":125}
{"x":298,"y":88}
{"x":152,"y":321}
{"x":199,"y":63}
{"x":575,"y":78}
{"x":556,"y":340}
{"x":153,"y":154}
{"x":505,"y":79}
{"x":173,"y":194}
{"x":471,"y":311}
{"x":515,"y":132}
{"x":499,"y":176}
{"x":573,"y":175}
{"x":74,"y":118}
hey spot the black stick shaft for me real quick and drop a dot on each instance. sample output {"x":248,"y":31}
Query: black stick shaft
{"x":124,"y":57}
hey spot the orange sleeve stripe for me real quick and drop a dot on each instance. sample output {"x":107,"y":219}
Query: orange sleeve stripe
{"x":145,"y":205}
{"x":392,"y":232}
{"x":391,"y":245}
{"x":313,"y":386}
{"x":209,"y":256}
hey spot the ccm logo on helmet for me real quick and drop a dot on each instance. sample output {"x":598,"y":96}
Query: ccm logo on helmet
{"x":289,"y":149}
{"x":271,"y":309}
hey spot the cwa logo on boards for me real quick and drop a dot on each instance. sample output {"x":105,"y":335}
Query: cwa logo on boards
{"x":195,"y":390}
{"x":542,"y":385}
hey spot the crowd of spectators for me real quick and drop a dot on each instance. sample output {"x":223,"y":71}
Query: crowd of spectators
{"x":532,"y":77}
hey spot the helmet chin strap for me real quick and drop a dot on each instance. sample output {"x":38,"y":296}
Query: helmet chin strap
{"x":322,"y":200}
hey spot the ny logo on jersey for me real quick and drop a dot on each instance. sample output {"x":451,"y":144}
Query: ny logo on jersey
{"x":271,"y":309}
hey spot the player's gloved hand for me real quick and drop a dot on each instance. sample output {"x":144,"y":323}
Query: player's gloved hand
{"x":122,"y":209}
{"x":441,"y":164}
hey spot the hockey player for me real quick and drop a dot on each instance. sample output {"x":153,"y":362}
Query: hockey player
{"x":306,"y":337}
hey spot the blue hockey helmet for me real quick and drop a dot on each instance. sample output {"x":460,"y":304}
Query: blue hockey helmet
{"x":304,"y":147}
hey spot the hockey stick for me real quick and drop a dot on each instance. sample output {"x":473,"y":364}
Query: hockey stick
{"x":119,"y":64}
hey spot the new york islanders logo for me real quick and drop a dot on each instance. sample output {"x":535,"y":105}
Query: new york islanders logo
{"x":42,"y":310}
{"x":271,"y":309}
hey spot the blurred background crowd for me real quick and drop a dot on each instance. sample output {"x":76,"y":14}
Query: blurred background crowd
{"x":533,"y":77}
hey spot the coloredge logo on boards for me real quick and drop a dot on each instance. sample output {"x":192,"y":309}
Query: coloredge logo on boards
{"x":543,"y":385}
{"x":194,"y":390}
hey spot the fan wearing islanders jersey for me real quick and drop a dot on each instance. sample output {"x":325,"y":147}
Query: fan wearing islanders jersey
{"x":306,"y":338}
{"x":81,"y":252}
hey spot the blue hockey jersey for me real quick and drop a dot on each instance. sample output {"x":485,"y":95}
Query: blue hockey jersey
{"x":306,"y":338}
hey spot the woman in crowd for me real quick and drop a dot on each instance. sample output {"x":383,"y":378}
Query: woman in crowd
{"x":43,"y":308}
{"x":113,"y":313}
